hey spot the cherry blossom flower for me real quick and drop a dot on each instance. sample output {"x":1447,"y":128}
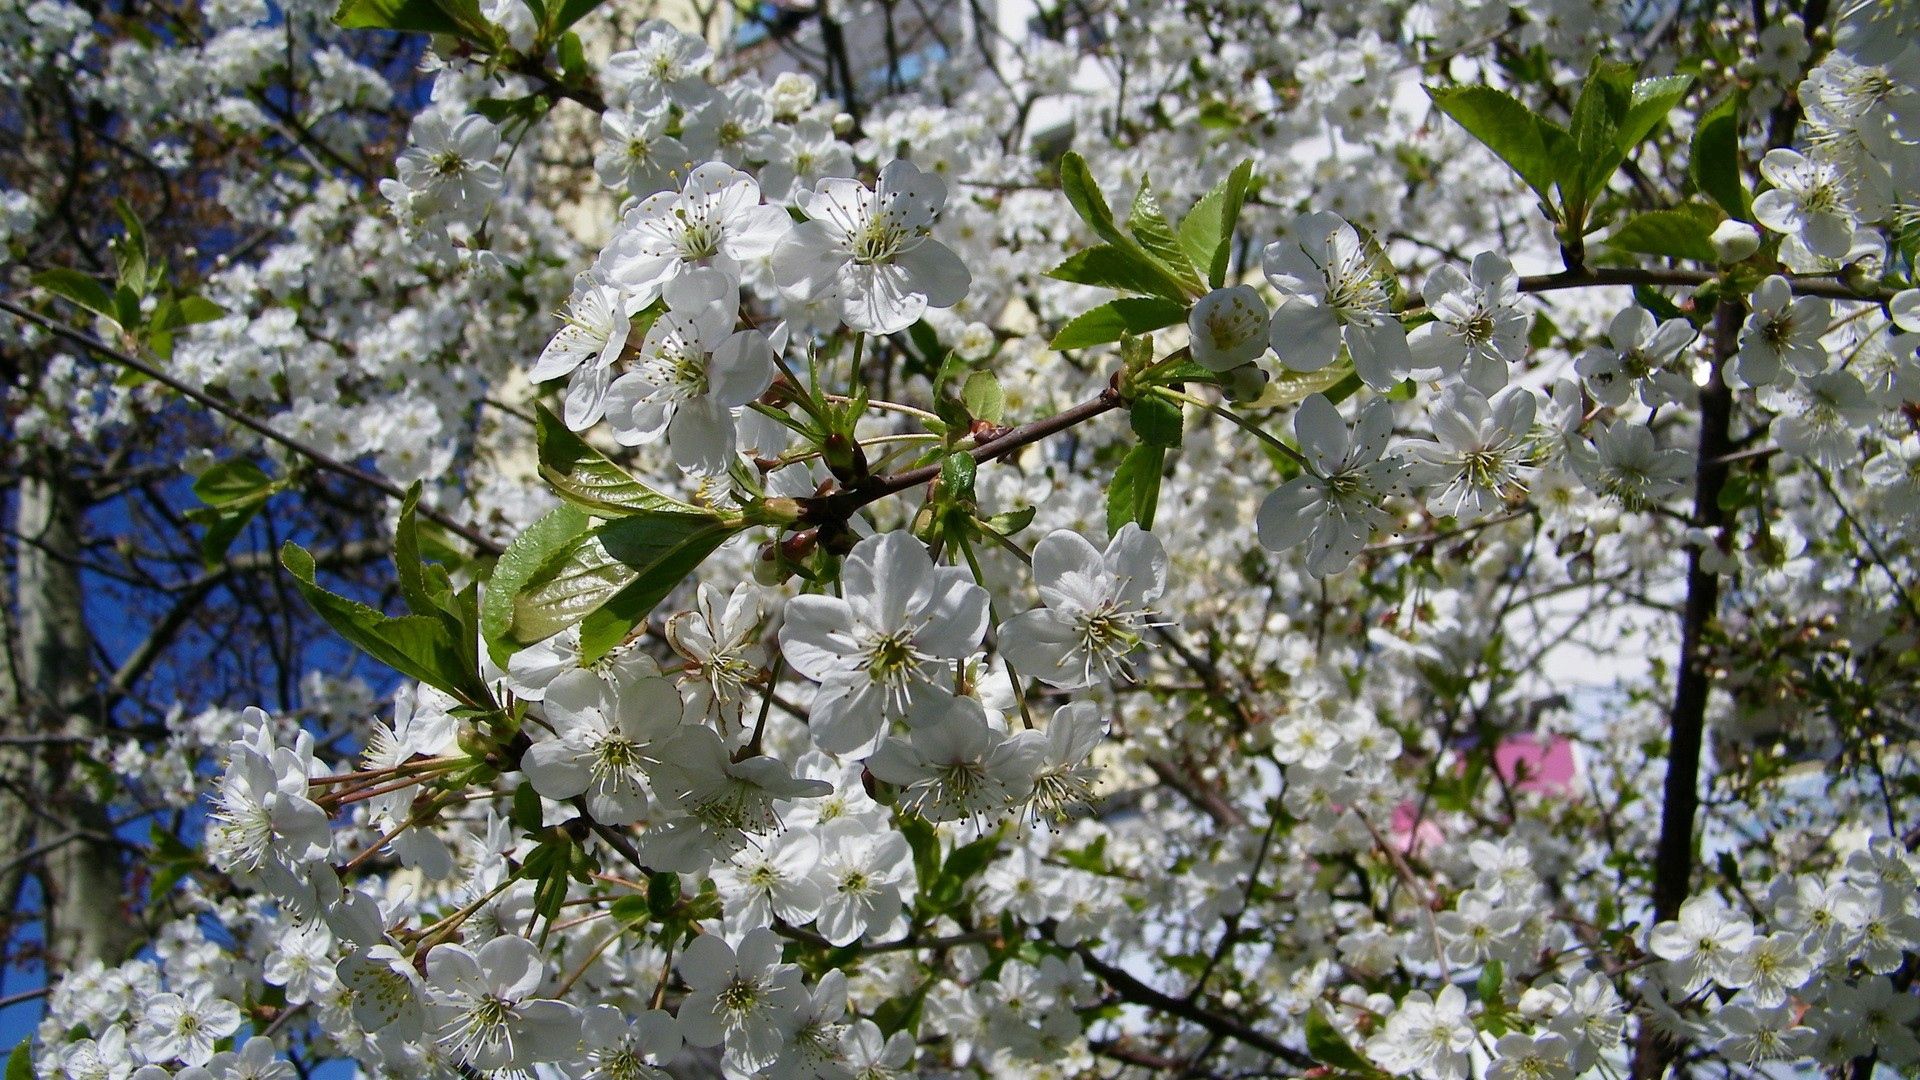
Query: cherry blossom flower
{"x":873,"y":250}
{"x":882,"y":645}
{"x":1335,"y":289}
{"x":1097,"y":605}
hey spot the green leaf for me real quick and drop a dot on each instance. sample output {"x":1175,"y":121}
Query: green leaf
{"x":527,"y":108}
{"x":1207,"y":231}
{"x":529,"y":551}
{"x":525,"y":812}
{"x":1684,"y":232}
{"x":586,"y":478}
{"x":1328,"y":1046}
{"x":230,"y":481}
{"x":1534,"y":146}
{"x":925,"y":844}
{"x":1156,"y":420}
{"x":417,"y":646}
{"x":900,"y":1013}
{"x":79,"y":288}
{"x":1148,"y":225}
{"x":1010,"y":522}
{"x":1076,"y":182}
{"x":1715,"y":159}
{"x":234,"y":491}
{"x":20,"y":1062}
{"x":956,"y":473}
{"x":1597,"y":116}
{"x":608,"y":579}
{"x":1652,"y":100}
{"x":1115,"y":318}
{"x":1121,"y":269}
{"x":1135,"y":493}
{"x":984,"y":399}
{"x":191,"y":310}
{"x":1492,"y":977}
{"x":1148,"y":275}
{"x":663,"y":892}
{"x":567,"y":12}
{"x":458,"y":17}
{"x":1293,"y":387}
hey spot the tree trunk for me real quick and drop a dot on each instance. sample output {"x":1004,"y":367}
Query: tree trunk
{"x":53,"y":820}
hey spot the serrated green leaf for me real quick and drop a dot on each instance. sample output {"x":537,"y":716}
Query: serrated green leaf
{"x":1135,"y":492}
{"x":984,"y":399}
{"x":1077,"y":183}
{"x":608,"y":580}
{"x":1206,"y":233}
{"x":529,"y":551}
{"x":417,"y":646}
{"x":1116,"y":318}
{"x":589,"y":480}
{"x":79,"y":288}
{"x":1149,"y":227}
{"x":1684,"y":232}
{"x":1156,"y":420}
{"x":1012,"y":521}
{"x":1715,"y":159}
{"x":1532,"y":145}
{"x":1602,"y":107}
{"x":1120,"y":269}
{"x":1652,"y":100}
{"x":957,"y":472}
{"x":461,"y":18}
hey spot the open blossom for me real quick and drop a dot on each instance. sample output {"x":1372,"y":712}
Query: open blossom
{"x":636,"y":153}
{"x":484,"y":1011}
{"x":620,"y":1047}
{"x":1483,"y":456}
{"x":1478,"y":327}
{"x":1336,"y":507}
{"x":715,"y":220}
{"x":1641,"y":354}
{"x":1096,"y":606}
{"x":1782,"y":331}
{"x":885,"y":643}
{"x":693,"y":370}
{"x":740,"y":997}
{"x":448,"y":167}
{"x":262,"y":821}
{"x":604,"y":736}
{"x":1708,"y":943}
{"x":862,"y":875}
{"x":722,"y":803}
{"x":873,"y":251}
{"x":586,"y":348}
{"x":1427,"y":1036}
{"x":1335,"y":289}
{"x":185,"y":1026}
{"x":1808,"y":200}
{"x":954,"y":765}
{"x":664,"y":61}
{"x":720,"y":641}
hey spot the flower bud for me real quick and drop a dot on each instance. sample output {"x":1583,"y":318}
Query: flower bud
{"x":1734,"y":240}
{"x":1229,"y":328}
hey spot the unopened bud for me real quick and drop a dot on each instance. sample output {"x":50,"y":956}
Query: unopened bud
{"x":1734,"y":240}
{"x":1246,"y":382}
